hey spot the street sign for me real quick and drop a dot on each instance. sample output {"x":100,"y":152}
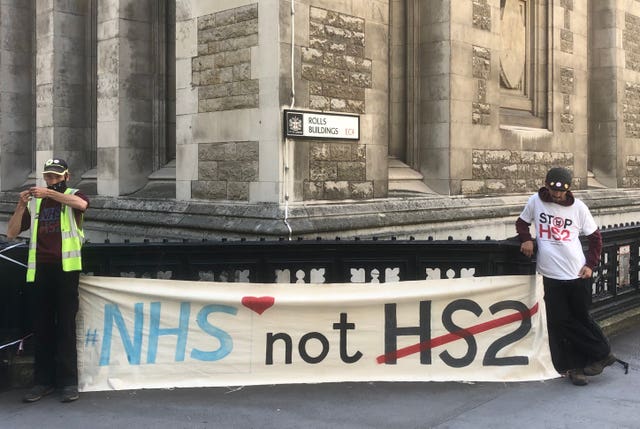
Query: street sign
{"x":316,"y":125}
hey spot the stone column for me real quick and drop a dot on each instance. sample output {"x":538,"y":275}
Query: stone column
{"x":125,"y":96}
{"x":398,"y":79}
{"x":16,"y":93}
{"x":614,"y":114}
{"x":434,"y":47}
{"x":62,"y":113}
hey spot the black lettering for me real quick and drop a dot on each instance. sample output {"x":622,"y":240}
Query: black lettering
{"x":490,"y":358}
{"x":302,"y":347}
{"x":271,"y":338}
{"x":343,"y":326}
{"x":447,"y":322}
{"x":392,"y":332}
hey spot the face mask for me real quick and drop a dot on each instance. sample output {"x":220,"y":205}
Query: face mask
{"x":59,"y":187}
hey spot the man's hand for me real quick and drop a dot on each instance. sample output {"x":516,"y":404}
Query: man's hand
{"x":585,"y":272}
{"x":39,"y":192}
{"x":15,"y":222}
{"x":527,"y":248}
{"x":25,"y":196}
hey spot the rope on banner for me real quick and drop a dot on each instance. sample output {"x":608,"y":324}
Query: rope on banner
{"x":10,"y":259}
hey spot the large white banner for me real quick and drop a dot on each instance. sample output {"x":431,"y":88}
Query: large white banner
{"x":144,"y":333}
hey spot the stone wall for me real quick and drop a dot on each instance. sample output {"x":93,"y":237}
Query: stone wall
{"x":631,"y":42}
{"x":334,"y":63}
{"x":508,"y":171}
{"x":337,"y":171}
{"x":631,"y":99}
{"x":567,"y":78}
{"x":481,"y":15}
{"x":481,"y":65}
{"x":566,"y":35}
{"x":222,"y":69}
{"x":222,"y":74}
{"x":631,"y":178}
{"x":567,"y":89}
{"x":338,"y":74}
{"x":225,"y":170}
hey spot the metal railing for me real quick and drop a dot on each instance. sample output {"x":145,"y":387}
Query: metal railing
{"x":615,"y":286}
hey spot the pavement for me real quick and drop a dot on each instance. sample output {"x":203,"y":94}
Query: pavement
{"x":611,"y":400}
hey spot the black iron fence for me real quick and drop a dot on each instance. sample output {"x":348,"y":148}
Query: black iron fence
{"x":615,"y":286}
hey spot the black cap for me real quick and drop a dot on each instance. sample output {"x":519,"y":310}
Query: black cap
{"x":56,"y":166}
{"x":558,"y":179}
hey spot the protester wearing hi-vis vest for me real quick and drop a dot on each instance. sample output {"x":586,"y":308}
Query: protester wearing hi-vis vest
{"x":54,"y":216}
{"x":578,"y":346}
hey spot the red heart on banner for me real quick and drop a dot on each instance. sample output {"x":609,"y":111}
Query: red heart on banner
{"x":259,"y":304}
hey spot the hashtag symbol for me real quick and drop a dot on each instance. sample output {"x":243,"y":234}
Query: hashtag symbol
{"x":91,"y":337}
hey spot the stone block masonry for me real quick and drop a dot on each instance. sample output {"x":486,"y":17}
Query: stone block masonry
{"x":337,"y":171}
{"x":631,"y":110}
{"x":631,"y":177}
{"x":338,"y":73}
{"x":481,"y":64}
{"x":506,"y":171}
{"x":631,"y":101}
{"x":567,"y":86}
{"x":631,"y":42}
{"x":566,"y":35}
{"x":334,"y":62}
{"x":222,"y":69}
{"x":225,"y":170}
{"x":482,"y":15}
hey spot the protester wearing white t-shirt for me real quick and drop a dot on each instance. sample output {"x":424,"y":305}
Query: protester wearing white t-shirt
{"x":578,"y":346}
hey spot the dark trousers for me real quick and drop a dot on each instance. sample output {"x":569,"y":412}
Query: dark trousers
{"x":55,"y":306}
{"x":575,"y":339}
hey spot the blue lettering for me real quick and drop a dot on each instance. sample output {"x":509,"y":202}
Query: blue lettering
{"x":181,"y":331}
{"x":132,"y":348}
{"x":226,"y":342}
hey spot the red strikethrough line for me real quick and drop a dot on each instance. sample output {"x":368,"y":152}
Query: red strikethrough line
{"x":463,"y":333}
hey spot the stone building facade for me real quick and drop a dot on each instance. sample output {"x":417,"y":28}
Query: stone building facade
{"x":171,"y":111}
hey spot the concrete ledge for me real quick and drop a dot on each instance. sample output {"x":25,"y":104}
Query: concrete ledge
{"x":621,"y":322}
{"x":421,"y":217}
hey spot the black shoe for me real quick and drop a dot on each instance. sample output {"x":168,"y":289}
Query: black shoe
{"x":597,"y":367}
{"x":70,"y":394}
{"x":577,"y":377}
{"x":37,"y":392}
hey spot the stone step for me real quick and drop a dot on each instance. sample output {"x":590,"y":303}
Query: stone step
{"x":412,"y":186}
{"x":404,"y":179}
{"x":592,"y":183}
{"x":404,"y":173}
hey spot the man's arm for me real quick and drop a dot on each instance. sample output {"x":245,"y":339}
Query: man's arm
{"x":526,"y":246}
{"x":594,"y":250}
{"x":593,"y":255}
{"x":15,"y":223}
{"x":70,"y":200}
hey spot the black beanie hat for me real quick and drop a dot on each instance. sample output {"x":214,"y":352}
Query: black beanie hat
{"x":558,"y":179}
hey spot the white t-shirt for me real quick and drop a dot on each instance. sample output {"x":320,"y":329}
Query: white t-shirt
{"x":557,"y":230}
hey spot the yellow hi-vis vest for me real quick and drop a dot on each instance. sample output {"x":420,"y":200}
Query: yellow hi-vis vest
{"x":72,"y":237}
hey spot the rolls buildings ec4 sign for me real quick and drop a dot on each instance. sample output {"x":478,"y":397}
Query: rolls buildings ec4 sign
{"x":313,"y":125}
